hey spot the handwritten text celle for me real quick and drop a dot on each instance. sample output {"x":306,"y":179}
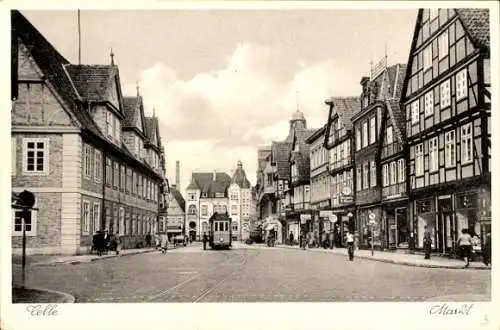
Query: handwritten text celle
{"x":42,"y":310}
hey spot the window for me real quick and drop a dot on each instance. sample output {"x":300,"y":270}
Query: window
{"x":372,"y":130}
{"x":450,"y":149}
{"x":96,"y":216}
{"x":109,"y":172}
{"x":433,"y":155}
{"x":427,"y":57}
{"x":365,"y":134}
{"x":97,"y":166}
{"x":234,"y":226}
{"x":122,"y":177}
{"x":29,"y":220}
{"x":373,"y":174}
{"x":234,"y":209}
{"x":419,"y":159}
{"x":192,"y":210}
{"x":204,"y":210}
{"x":86,"y":217}
{"x":466,"y":143}
{"x":144,"y":187}
{"x":385,"y":174}
{"x":116,"y":175}
{"x":461,"y":84}
{"x":365,"y":176}
{"x":392,"y":173}
{"x":388,"y":132}
{"x":445,"y":94}
{"x":87,"y":161}
{"x":358,"y":139}
{"x":36,"y":156}
{"x":429,"y":103}
{"x":134,"y":182}
{"x":401,"y":171}
{"x":415,"y":112}
{"x":443,"y":45}
{"x":13,"y":148}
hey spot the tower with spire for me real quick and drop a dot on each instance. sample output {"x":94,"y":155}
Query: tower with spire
{"x":239,"y":193}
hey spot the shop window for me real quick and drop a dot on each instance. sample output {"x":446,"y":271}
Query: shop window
{"x":425,"y":217}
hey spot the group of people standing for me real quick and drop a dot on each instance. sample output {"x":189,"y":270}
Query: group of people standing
{"x":102,"y":242}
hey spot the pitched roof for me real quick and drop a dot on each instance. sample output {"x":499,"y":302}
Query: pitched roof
{"x":317,"y":134}
{"x":206,"y":183}
{"x":52,"y":64}
{"x":477,"y":23}
{"x":301,"y":158}
{"x":345,"y":107}
{"x":151,"y":128}
{"x":397,"y":118}
{"x":133,"y":109}
{"x":178,"y":197}
{"x":240,"y":178}
{"x":280,"y":154}
{"x":92,"y":81}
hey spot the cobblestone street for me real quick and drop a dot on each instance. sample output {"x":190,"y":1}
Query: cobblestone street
{"x":254,"y":274}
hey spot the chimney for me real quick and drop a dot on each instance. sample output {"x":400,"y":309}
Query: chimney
{"x":215,"y":175}
{"x":177,"y":175}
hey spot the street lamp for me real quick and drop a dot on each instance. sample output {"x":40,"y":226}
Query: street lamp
{"x":372,"y":223}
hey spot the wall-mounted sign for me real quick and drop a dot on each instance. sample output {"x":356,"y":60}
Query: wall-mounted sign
{"x":325,"y":214}
{"x":346,"y":199}
{"x":305,"y":217}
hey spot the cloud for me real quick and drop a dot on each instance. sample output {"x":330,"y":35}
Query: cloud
{"x":246,"y":104}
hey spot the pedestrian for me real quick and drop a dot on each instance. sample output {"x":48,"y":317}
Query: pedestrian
{"x":350,"y":245}
{"x":291,"y":238}
{"x":427,"y":243}
{"x":164,"y":243}
{"x":331,"y":239}
{"x":205,"y":238}
{"x":464,"y":243}
{"x":148,"y":240}
{"x":106,"y":241}
{"x":118,"y":244}
{"x":487,"y":249}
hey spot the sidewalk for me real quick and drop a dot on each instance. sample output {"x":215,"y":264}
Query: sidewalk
{"x":416,"y":260}
{"x":39,"y":260}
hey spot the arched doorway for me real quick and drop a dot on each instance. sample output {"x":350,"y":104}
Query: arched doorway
{"x":192,"y":231}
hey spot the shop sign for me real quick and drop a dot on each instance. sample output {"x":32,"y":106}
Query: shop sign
{"x":325,"y":214}
{"x":345,"y":218}
{"x":346,"y":199}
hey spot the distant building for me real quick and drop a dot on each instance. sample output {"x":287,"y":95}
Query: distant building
{"x":207,"y":193}
{"x":174,"y":223}
{"x":240,"y":202}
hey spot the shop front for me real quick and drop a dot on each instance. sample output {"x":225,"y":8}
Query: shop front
{"x":369,"y":224}
{"x":398,"y":233}
{"x":342,"y":223}
{"x":446,"y":215}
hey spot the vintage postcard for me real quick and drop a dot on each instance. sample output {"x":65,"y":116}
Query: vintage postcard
{"x":252,"y":157}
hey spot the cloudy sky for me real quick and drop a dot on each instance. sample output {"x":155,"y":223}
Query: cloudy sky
{"x":224,"y":82}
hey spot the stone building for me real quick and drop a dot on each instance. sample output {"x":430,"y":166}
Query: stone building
{"x":80,"y":149}
{"x":207,"y":193}
{"x":240,"y":199}
{"x":174,"y":221}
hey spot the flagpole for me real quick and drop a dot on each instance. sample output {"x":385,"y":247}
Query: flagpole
{"x":79,"y":40}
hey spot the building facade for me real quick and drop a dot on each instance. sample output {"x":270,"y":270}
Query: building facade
{"x":320,"y":180}
{"x":240,"y":195}
{"x":173,"y":222}
{"x":206,"y":194}
{"x":72,"y":148}
{"x":339,"y":145}
{"x":446,"y":98}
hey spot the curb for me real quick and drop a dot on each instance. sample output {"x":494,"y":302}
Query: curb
{"x":66,"y":297}
{"x":396,"y":262}
{"x":77,"y":262}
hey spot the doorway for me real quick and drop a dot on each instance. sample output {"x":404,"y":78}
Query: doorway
{"x":445,"y":226}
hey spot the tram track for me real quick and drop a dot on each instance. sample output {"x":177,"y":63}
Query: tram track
{"x":228,"y":262}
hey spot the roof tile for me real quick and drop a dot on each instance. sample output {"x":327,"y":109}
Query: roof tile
{"x":477,"y":23}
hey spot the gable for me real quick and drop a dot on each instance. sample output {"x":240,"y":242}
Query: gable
{"x":113,"y":94}
{"x":27,"y":68}
{"x":138,"y":121}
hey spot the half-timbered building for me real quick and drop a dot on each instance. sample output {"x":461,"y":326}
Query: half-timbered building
{"x":338,"y":143}
{"x":448,"y":122}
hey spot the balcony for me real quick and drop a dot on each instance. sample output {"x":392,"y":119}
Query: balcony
{"x":390,"y":149}
{"x":395,"y":191}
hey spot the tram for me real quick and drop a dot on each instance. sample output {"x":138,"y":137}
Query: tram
{"x":220,"y":235}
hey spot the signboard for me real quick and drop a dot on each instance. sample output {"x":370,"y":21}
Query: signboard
{"x":371,"y":216}
{"x":346,"y":199}
{"x":333,"y":218}
{"x":305,"y":217}
{"x":325,"y":214}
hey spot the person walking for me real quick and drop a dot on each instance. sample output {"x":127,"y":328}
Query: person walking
{"x":331,"y":239}
{"x":427,"y":243}
{"x":205,"y":238}
{"x":291,"y":238}
{"x":350,"y":245}
{"x":164,"y":243}
{"x":464,"y":243}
